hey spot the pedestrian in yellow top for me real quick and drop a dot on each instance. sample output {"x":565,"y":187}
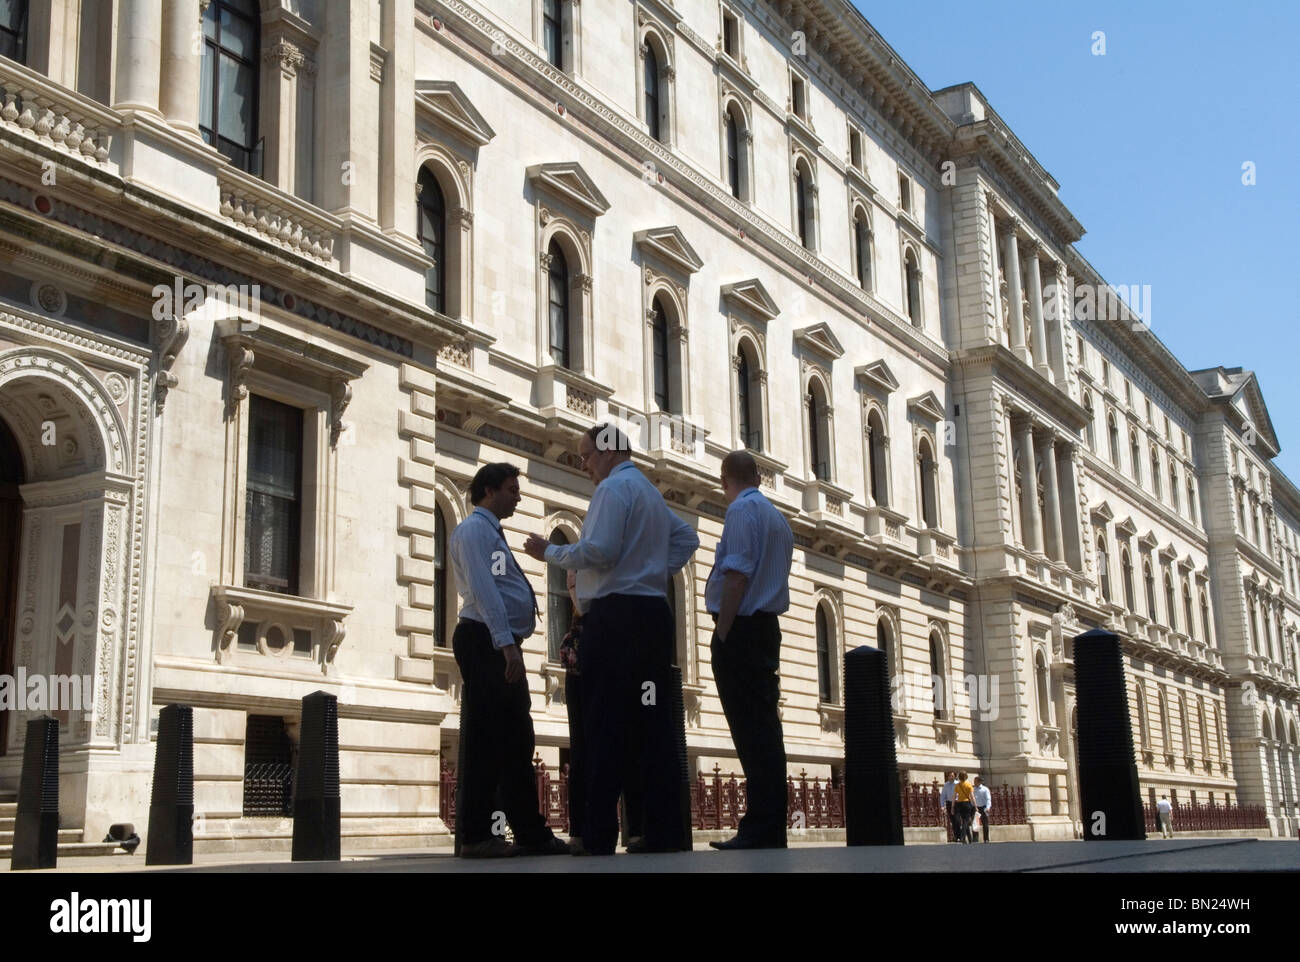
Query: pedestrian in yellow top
{"x":964,"y":806}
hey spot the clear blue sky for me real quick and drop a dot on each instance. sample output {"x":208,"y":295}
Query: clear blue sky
{"x":1147,"y":143}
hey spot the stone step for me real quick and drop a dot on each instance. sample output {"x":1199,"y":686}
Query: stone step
{"x":8,"y":809}
{"x":7,"y":824}
{"x":66,"y":835}
{"x":68,"y":849}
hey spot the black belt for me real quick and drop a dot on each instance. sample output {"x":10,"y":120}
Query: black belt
{"x":758,"y":615}
{"x":483,"y":624}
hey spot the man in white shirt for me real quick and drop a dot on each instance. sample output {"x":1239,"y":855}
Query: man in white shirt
{"x":497,"y":612}
{"x":983,"y":804}
{"x":747,"y":589}
{"x":946,"y":796}
{"x":631,"y":545}
{"x":1165,"y":811}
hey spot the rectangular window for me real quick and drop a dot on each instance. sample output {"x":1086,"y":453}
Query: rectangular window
{"x":13,"y":29}
{"x":904,"y":194}
{"x":228,"y":85}
{"x":855,"y":148}
{"x":798,"y":105}
{"x":730,"y":35}
{"x":273,"y":500}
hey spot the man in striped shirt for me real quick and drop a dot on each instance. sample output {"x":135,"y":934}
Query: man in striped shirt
{"x":748,"y":588}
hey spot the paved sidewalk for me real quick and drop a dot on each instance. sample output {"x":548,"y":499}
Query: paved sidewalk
{"x":1153,"y":855}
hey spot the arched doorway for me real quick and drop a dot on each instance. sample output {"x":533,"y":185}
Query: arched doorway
{"x":11,"y":518}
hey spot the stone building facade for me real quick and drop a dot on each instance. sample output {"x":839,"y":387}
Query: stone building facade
{"x":276,"y":278}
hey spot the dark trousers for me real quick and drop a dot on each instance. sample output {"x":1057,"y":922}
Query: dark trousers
{"x":964,"y":811}
{"x":954,"y":830}
{"x":625,"y":657}
{"x":745,"y":667}
{"x":496,"y":730}
{"x":984,"y":820}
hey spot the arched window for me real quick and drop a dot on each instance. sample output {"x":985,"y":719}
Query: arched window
{"x":439,"y":578}
{"x":1175,"y":494}
{"x":1188,"y":613}
{"x":1087,"y":406}
{"x":1185,"y":723}
{"x":734,"y":159}
{"x":877,"y":459}
{"x":1191,"y":499}
{"x":1040,"y":677}
{"x":228,"y":87}
{"x":748,"y":401}
{"x":1155,"y":472}
{"x":1171,"y":608}
{"x":1218,"y":731}
{"x":1113,"y":430}
{"x":803,"y":204}
{"x":818,"y":432}
{"x":659,"y":363}
{"x":824,"y":642}
{"x":652,"y":91}
{"x":1254,"y":626}
{"x":1144,"y":727}
{"x":885,"y":643}
{"x":1205,"y":733}
{"x":13,"y":30}
{"x":558,"y":293}
{"x":1166,"y":735}
{"x":1126,"y":566}
{"x":1135,"y":454}
{"x":559,"y":606}
{"x":913,"y":272}
{"x":1149,"y":580}
{"x":929,"y":488}
{"x":938,"y":675}
{"x":1103,"y":568}
{"x":862,"y":249}
{"x":1205,"y":619}
{"x":553,"y":33}
{"x":433,"y":236}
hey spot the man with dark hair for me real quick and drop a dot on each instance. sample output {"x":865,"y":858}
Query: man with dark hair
{"x":747,"y":589}
{"x":496,"y":729}
{"x":631,"y":543}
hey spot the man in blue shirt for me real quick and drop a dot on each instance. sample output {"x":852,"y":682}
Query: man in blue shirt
{"x":631,"y":544}
{"x":747,"y":589}
{"x":497,"y":612}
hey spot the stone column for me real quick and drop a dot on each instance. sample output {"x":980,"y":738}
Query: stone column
{"x":1039,"y":332}
{"x":139,"y":55}
{"x":1052,"y":500}
{"x":279,"y":101}
{"x":1058,"y":333}
{"x":996,"y":259}
{"x":397,"y":122}
{"x":1011,"y":257}
{"x":1033,"y":521}
{"x":346,"y":161}
{"x":182,"y":60}
{"x":1074,"y":545}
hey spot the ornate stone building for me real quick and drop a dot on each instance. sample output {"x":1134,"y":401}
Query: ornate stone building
{"x":276,"y":278}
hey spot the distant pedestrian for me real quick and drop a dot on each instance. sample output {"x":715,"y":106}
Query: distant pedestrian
{"x":1165,"y":811}
{"x":945,"y":802}
{"x":983,"y":803}
{"x":963,"y":807}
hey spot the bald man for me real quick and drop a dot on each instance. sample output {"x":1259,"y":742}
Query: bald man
{"x":748,"y":588}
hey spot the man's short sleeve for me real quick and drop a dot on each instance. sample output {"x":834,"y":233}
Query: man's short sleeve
{"x":744,"y":544}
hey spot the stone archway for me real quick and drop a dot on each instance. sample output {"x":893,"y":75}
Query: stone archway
{"x":73,"y":540}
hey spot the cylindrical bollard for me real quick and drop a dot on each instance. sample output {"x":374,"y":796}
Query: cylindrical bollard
{"x":171,"y":802}
{"x":873,"y":810}
{"x":36,"y":829}
{"x":1108,"y":777}
{"x":316,"y":801}
{"x":683,"y":756}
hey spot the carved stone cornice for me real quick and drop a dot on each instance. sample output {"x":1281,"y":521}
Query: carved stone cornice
{"x":288,"y":55}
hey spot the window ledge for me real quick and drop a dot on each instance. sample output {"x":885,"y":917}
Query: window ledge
{"x":826,"y":501}
{"x":569,"y":398}
{"x":831,"y":716}
{"x":883,"y":522}
{"x":237,"y":606}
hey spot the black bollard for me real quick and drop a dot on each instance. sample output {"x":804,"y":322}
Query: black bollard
{"x":36,"y":830}
{"x":1108,"y":777}
{"x":316,"y":802}
{"x":171,"y":802}
{"x":683,"y":757}
{"x":873,"y":810}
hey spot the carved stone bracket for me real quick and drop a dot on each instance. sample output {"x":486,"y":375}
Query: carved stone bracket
{"x":172,"y":334}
